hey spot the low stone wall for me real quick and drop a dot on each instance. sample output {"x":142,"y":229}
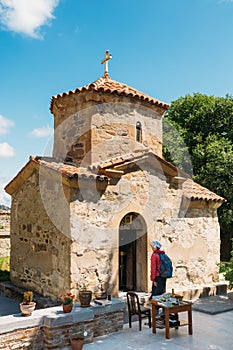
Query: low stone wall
{"x":4,"y":233}
{"x":51,"y":328}
{"x":5,"y":216}
{"x":4,"y":244}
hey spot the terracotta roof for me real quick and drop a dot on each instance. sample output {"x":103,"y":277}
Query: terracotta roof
{"x":137,"y":155}
{"x":106,"y":84}
{"x":68,"y":169}
{"x":191,"y":189}
{"x":194,"y":191}
{"x":58,"y":166}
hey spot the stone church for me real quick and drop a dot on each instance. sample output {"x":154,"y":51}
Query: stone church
{"x":88,"y":213}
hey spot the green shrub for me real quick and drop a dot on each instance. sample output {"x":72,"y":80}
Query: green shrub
{"x":4,"y":268}
{"x":226,"y":268}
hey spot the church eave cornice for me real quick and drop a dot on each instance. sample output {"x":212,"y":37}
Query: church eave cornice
{"x":59,"y":171}
{"x":199,"y":203}
{"x":106,"y":85}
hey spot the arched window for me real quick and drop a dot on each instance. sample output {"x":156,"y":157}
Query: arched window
{"x":138,"y":132}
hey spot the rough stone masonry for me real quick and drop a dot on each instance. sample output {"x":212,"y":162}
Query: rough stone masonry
{"x":88,"y":213}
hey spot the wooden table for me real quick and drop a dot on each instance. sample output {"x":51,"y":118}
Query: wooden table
{"x":183,"y":306}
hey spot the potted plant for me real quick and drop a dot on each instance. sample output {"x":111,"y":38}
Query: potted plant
{"x":27,"y":305}
{"x":67,"y":301}
{"x":85,"y":296}
{"x":101,"y":293}
{"x":77,"y":342}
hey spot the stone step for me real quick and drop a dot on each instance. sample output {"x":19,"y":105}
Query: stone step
{"x":201,"y":291}
{"x":193,"y":293}
{"x":9,"y":290}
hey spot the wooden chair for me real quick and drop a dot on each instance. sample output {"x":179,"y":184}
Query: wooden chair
{"x":134,"y":308}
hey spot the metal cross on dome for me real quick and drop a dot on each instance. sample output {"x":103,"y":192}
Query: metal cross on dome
{"x":105,"y":61}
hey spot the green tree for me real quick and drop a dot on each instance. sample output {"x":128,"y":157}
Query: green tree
{"x":198,"y":137}
{"x":226,"y":269}
{"x":4,"y":207}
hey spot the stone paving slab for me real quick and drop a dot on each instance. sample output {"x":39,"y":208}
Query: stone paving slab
{"x":215,"y":304}
{"x":8,"y":306}
{"x":209,"y":333}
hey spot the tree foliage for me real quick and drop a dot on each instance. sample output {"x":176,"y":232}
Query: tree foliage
{"x":4,"y":207}
{"x":198,"y":137}
{"x":214,"y":161}
{"x":226,"y":268}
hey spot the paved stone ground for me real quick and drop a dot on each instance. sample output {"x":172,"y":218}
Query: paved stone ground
{"x":8,"y":306}
{"x":210,"y":332}
{"x":215,"y":304}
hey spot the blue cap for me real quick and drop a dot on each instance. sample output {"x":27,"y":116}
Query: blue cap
{"x":156,"y":244}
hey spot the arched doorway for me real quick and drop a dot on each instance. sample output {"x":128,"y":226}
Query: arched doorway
{"x":132,"y":253}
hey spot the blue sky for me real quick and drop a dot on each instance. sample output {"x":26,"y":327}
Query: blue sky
{"x":166,"y":48}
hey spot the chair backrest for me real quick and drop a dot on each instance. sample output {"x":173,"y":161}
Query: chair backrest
{"x":133,"y":302}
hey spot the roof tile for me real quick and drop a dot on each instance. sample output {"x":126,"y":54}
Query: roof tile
{"x":194,"y":191}
{"x":68,"y":170}
{"x":106,"y":84}
{"x":191,"y":189}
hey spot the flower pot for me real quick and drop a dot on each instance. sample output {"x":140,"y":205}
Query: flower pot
{"x":102,"y":294}
{"x":27,"y":309}
{"x":85,"y":298}
{"x":77,"y":342}
{"x":67,"y":307}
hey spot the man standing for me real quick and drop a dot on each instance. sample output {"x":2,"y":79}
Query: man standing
{"x":158,"y":282}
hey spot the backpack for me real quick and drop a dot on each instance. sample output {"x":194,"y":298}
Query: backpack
{"x":165,"y":266}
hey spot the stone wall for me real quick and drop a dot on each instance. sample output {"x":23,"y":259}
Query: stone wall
{"x":192,"y":241}
{"x":95,"y":228}
{"x":73,"y":234}
{"x":40,"y":251}
{"x":4,"y":232}
{"x":4,"y":244}
{"x":50,"y":329}
{"x":5,"y":221}
{"x":93,"y":131}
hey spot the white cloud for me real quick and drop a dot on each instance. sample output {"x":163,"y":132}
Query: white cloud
{"x":41,"y":132}
{"x":5,"y":124}
{"x":6,"y":150}
{"x":26,"y":16}
{"x":5,"y":198}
